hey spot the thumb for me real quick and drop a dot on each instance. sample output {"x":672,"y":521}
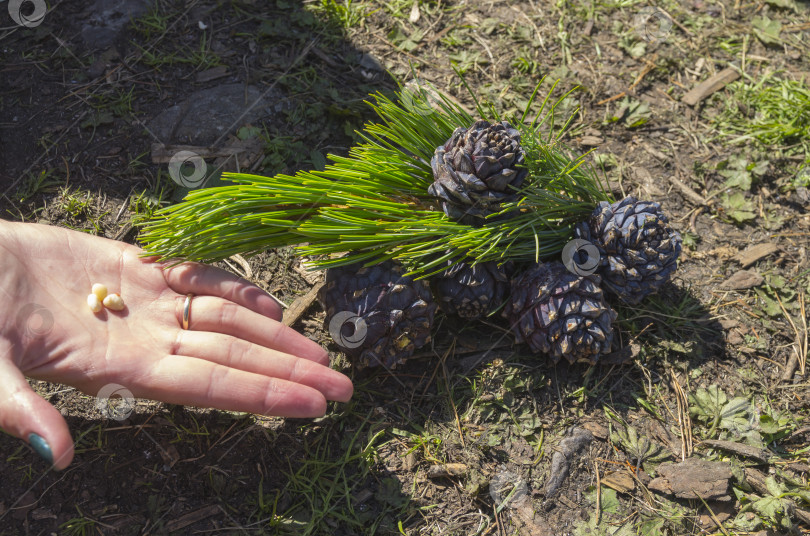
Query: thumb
{"x":26,"y":415}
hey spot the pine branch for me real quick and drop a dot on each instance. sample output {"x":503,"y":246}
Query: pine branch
{"x":374,"y":202}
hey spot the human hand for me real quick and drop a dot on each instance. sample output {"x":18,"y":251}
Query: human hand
{"x":235,"y":355}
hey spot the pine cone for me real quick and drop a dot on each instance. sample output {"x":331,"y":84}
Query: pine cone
{"x":376,"y":315}
{"x":638,"y":247}
{"x":560,"y":314}
{"x":478,"y":169}
{"x":472,"y":291}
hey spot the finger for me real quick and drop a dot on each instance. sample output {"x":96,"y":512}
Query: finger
{"x":189,"y":381}
{"x":242,"y":355}
{"x":26,"y":415}
{"x":221,"y":316}
{"x":201,"y":279}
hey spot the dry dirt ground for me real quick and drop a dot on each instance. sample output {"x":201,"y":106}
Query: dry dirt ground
{"x":476,"y":435}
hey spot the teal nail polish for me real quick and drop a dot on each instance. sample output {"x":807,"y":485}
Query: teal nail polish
{"x":41,"y":447}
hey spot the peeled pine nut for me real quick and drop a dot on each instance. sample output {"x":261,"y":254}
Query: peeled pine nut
{"x":100,"y":291}
{"x":94,"y":303}
{"x":114,"y":302}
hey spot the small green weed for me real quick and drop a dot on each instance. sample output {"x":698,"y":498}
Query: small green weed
{"x":154,"y":23}
{"x":74,"y":203}
{"x":118,"y":101}
{"x":773,"y":112}
{"x":37,"y":183}
{"x":346,"y":14}
{"x":78,"y":526}
{"x":144,"y":204}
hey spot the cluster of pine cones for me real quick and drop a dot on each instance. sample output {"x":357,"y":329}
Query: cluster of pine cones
{"x":379,"y":316}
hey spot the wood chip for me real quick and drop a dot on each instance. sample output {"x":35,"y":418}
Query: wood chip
{"x":758,"y":481}
{"x":446,"y":470}
{"x":170,"y":456}
{"x":598,"y":430}
{"x":746,"y":451}
{"x":212,"y":74}
{"x":42,"y":513}
{"x":591,"y":141}
{"x":363,"y":496}
{"x":304,"y":268}
{"x":162,"y":154}
{"x":709,"y":86}
{"x":191,"y":518}
{"x":720,"y":512}
{"x":301,"y":305}
{"x":621,"y":481}
{"x":742,"y":280}
{"x":247,"y":273}
{"x":694,"y":478}
{"x":752,"y":254}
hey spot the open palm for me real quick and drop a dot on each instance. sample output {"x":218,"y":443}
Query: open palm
{"x":235,"y":355}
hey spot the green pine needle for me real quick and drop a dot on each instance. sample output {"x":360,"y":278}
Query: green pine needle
{"x":374,"y":203}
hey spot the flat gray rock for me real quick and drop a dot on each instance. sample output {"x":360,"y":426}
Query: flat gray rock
{"x":107,"y":18}
{"x":207,"y":116}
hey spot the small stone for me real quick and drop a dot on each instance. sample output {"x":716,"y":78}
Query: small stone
{"x":447,"y":469}
{"x":742,"y":280}
{"x":371,"y":63}
{"x":728,"y":323}
{"x":97,"y":68}
{"x":106,"y":20}
{"x":735,"y":338}
{"x":207,"y":116}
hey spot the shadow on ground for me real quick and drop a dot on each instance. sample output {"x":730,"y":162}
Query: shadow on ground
{"x":98,"y":97}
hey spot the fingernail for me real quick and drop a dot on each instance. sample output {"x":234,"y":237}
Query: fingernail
{"x":41,"y":447}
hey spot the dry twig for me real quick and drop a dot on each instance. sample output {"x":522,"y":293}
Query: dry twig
{"x":684,"y":422}
{"x":800,"y":346}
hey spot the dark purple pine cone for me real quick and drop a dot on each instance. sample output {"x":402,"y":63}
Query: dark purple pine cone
{"x":560,"y":314}
{"x":376,"y":315}
{"x":639,"y":249}
{"x":472,"y":291}
{"x":478,"y":169}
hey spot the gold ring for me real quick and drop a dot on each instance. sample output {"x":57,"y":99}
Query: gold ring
{"x":187,"y":310}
